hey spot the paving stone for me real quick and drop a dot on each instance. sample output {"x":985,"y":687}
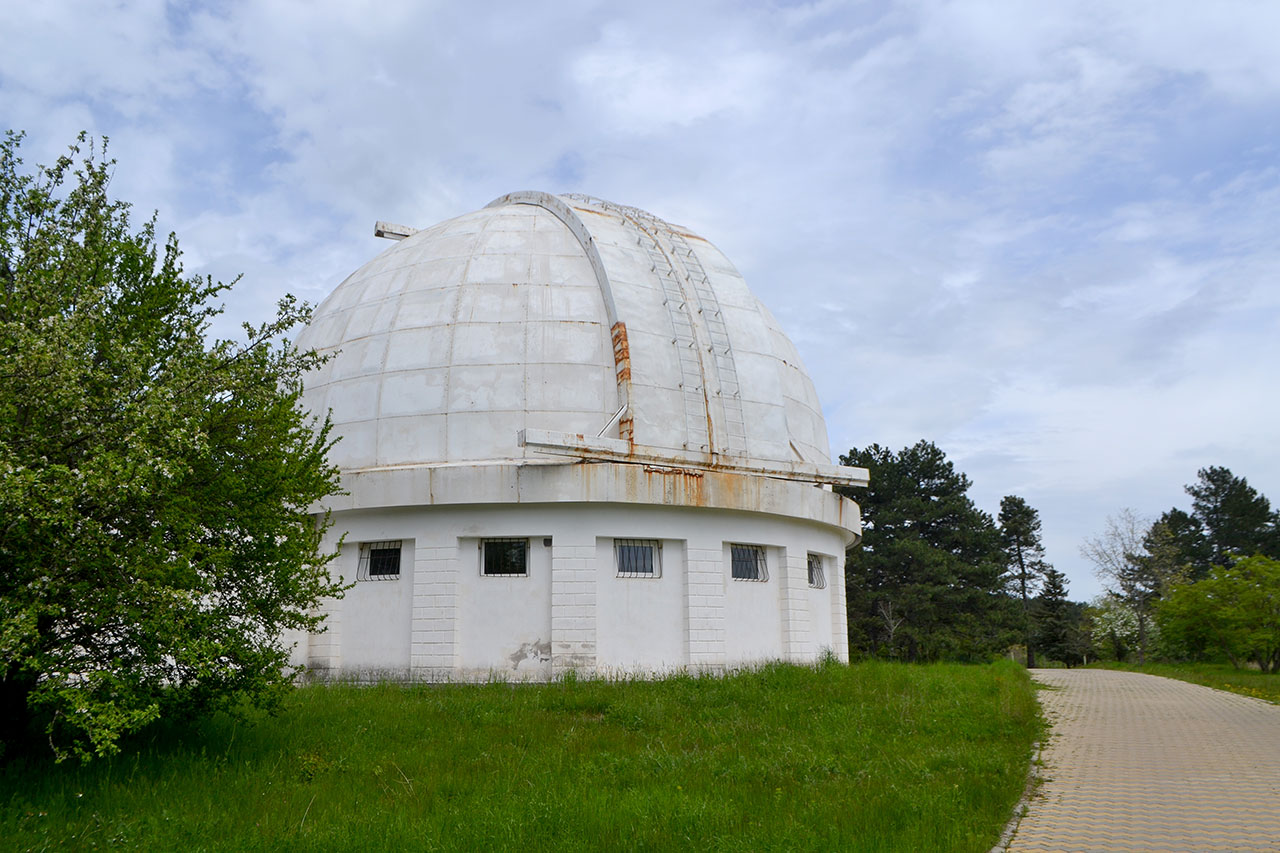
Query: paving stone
{"x":1136,"y":762}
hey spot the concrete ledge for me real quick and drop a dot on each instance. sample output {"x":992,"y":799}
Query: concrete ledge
{"x":594,"y":483}
{"x":617,"y":450}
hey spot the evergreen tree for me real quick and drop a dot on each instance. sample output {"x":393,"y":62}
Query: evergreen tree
{"x":925,"y":582}
{"x":1237,"y":521}
{"x":1056,"y":620}
{"x":1024,"y":559}
{"x":1186,"y":535}
{"x":1229,"y":520}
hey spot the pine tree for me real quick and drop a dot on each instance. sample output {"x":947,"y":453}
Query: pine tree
{"x":925,"y":582}
{"x":1055,"y":619}
{"x":1024,"y":559}
{"x":1236,"y":519}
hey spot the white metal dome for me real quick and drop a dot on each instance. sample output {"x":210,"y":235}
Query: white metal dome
{"x":566,"y":381}
{"x":494,"y":335}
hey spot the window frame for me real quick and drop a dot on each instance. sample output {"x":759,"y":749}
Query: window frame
{"x":522,"y":541}
{"x":748,"y":562}
{"x":374,"y":557}
{"x":655,"y":562}
{"x":818,"y":577}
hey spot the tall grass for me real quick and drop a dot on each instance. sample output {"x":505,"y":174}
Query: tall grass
{"x":876,"y":757}
{"x":1247,"y":682}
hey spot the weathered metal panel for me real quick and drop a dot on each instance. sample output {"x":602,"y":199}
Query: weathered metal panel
{"x":555,"y":313}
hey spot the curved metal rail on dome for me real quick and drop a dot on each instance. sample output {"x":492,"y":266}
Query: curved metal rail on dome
{"x":601,"y":449}
{"x":556,"y":205}
{"x":617,"y":329}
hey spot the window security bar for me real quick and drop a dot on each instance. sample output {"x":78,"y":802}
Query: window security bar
{"x":638,"y":558}
{"x":504,"y":558}
{"x":817,"y":577}
{"x":379,"y":561}
{"x":748,"y":563}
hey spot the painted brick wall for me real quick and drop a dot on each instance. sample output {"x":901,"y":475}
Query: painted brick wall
{"x":839,"y":618}
{"x":794,"y":580}
{"x":434,"y":609}
{"x":705,"y":581}
{"x":573,"y":605}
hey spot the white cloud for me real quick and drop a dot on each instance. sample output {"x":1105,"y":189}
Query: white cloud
{"x":1041,"y":235}
{"x":641,"y":88}
{"x":1163,"y":285}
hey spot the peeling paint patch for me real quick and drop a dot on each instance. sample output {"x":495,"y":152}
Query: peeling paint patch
{"x":537,"y":651}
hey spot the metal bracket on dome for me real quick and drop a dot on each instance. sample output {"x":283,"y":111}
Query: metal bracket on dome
{"x":392,"y":231}
{"x":617,"y":416}
{"x":616,"y":450}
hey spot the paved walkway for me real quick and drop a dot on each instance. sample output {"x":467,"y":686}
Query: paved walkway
{"x":1137,"y":762}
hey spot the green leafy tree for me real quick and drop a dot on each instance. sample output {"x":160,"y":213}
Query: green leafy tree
{"x":156,"y":537}
{"x":1024,"y":559}
{"x":926,"y":581}
{"x":1190,"y":629}
{"x":1235,"y":610}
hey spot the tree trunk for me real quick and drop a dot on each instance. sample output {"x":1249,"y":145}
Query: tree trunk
{"x":1142,"y":637}
{"x":1269,"y":663}
{"x":14,"y":711}
{"x":1026,"y":614}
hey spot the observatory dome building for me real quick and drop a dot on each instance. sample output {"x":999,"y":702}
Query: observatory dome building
{"x":570,"y":438}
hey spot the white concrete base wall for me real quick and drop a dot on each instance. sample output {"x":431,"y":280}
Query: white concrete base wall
{"x":504,"y":624}
{"x":647,"y":618}
{"x":444,"y":619}
{"x":388,"y":603}
{"x":753,"y":610}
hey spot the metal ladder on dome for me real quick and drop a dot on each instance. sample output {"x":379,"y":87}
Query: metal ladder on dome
{"x":730,"y":392}
{"x":684,"y":339}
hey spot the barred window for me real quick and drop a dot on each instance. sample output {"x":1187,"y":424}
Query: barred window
{"x":817,"y":577}
{"x":505,"y":558}
{"x":748,"y":563}
{"x":638,"y":558}
{"x":379,"y":561}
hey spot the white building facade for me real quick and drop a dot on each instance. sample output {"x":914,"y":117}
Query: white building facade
{"x":571,"y":438}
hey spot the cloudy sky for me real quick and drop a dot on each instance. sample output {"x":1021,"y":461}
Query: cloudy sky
{"x":1045,"y":236}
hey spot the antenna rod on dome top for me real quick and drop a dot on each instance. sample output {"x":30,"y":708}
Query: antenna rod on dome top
{"x":392,"y":231}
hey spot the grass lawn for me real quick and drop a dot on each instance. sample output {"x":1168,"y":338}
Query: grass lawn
{"x":1247,"y":682}
{"x":875,"y":756}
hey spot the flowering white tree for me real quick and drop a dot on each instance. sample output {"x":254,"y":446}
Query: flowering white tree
{"x":1136,"y":562}
{"x":1115,"y":625}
